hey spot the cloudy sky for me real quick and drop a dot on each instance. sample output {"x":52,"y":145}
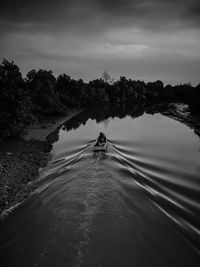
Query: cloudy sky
{"x":141,"y":39}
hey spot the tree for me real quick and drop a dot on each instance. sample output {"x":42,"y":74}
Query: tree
{"x":15,"y":105}
{"x":42,"y":90}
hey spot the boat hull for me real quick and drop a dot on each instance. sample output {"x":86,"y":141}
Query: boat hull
{"x":100,"y":148}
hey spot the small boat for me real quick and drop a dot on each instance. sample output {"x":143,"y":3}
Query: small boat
{"x":101,"y":143}
{"x":102,"y":147}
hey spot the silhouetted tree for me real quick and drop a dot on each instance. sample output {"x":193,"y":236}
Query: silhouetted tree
{"x":42,"y":90}
{"x":15,"y":103}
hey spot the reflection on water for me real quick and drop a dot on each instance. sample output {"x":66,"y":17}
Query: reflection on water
{"x":136,"y":205}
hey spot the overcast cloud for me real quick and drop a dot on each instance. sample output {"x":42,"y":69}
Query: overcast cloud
{"x":141,"y":39}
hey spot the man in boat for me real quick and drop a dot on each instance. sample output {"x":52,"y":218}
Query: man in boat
{"x":101,"y":140}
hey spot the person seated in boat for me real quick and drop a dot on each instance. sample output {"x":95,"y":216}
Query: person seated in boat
{"x":101,"y":140}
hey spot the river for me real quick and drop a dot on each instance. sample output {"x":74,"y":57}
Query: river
{"x":138,"y":204}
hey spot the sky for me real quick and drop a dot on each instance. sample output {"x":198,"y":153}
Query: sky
{"x":140,"y":39}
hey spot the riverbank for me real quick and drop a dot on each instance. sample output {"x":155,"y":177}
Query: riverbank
{"x":21,"y":160}
{"x":184,"y":114}
{"x":180,"y":112}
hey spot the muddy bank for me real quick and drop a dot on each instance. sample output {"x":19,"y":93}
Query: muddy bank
{"x":21,"y":160}
{"x":184,"y":114}
{"x":39,"y":131}
{"x":180,"y":112}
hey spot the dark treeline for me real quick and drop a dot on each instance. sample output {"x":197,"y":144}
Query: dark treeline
{"x":23,"y":101}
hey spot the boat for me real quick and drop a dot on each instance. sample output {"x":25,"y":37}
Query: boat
{"x":101,"y":143}
{"x":102,"y":147}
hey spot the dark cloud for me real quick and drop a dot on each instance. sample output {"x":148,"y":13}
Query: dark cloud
{"x":65,"y":14}
{"x":33,"y":12}
{"x":154,"y":14}
{"x":193,"y":12}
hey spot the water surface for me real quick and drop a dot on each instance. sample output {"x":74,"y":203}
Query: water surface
{"x":136,"y":205}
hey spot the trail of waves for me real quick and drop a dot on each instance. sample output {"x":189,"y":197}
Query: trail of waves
{"x":105,"y":210}
{"x":174,"y":192}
